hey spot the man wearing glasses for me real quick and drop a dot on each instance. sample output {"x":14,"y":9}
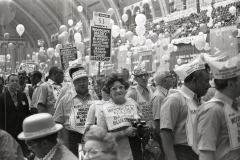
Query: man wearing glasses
{"x":40,"y":134}
{"x":142,"y":94}
{"x":72,"y":109}
{"x":179,"y":109}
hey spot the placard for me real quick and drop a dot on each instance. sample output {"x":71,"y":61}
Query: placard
{"x":68,"y":53}
{"x":28,"y":65}
{"x":101,"y":19}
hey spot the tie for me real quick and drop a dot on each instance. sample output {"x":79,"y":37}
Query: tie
{"x":146,"y":94}
{"x":15,"y":99}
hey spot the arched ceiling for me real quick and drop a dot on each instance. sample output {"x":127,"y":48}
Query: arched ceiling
{"x":42,"y":18}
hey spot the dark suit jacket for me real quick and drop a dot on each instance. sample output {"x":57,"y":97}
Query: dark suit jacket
{"x":14,"y":115}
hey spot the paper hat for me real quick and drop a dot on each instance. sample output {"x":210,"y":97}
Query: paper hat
{"x":39,"y":125}
{"x":139,"y":70}
{"x":218,"y":56}
{"x":186,"y":69}
{"x":225,"y":70}
{"x":79,"y":74}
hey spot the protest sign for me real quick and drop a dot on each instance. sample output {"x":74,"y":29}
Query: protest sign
{"x":68,"y":52}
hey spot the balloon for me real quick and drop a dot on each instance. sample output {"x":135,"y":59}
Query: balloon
{"x":6,"y":36}
{"x":192,"y":43}
{"x":8,"y":56}
{"x":210,"y":9}
{"x":63,"y":28}
{"x":62,"y":38}
{"x":140,"y":30}
{"x":153,"y":52}
{"x":129,"y":35}
{"x":88,"y":51}
{"x":140,"y":19}
{"x":167,"y":57}
{"x":112,"y":22}
{"x":87,"y":59}
{"x":206,"y":47}
{"x":235,"y":33}
{"x":20,"y":29}
{"x":7,"y":11}
{"x":55,"y":62}
{"x":129,"y":54}
{"x":122,"y":32}
{"x":81,"y":46}
{"x":142,"y":39}
{"x":179,"y":61}
{"x":155,"y":61}
{"x":36,"y":54}
{"x":199,"y":42}
{"x":70,"y":22}
{"x":128,"y":61}
{"x":28,"y":55}
{"x":150,"y":32}
{"x":231,"y":44}
{"x":232,"y":10}
{"x":175,"y":48}
{"x":56,"y":54}
{"x":115,"y":31}
{"x":77,"y":37}
{"x":154,"y":37}
{"x":176,"y":66}
{"x":160,"y":37}
{"x":50,"y":52}
{"x":58,"y":46}
{"x":10,"y":46}
{"x":110,"y":11}
{"x":80,"y":8}
{"x":165,"y":47}
{"x":125,"y":17}
{"x":166,"y":35}
{"x":148,"y":43}
{"x":230,"y":37}
{"x":41,"y":52}
{"x":201,"y":34}
{"x":203,"y":28}
{"x":208,"y":14}
{"x":143,"y":64}
{"x":66,"y":34}
{"x":170,"y":47}
{"x":135,"y":40}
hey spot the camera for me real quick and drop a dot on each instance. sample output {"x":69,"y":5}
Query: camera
{"x":138,"y":123}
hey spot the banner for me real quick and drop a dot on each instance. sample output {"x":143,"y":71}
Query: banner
{"x":186,"y":40}
{"x":68,"y":53}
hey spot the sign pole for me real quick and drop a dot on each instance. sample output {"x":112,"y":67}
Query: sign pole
{"x":99,"y":69}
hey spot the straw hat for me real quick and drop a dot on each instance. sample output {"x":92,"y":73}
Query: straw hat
{"x":39,"y":125}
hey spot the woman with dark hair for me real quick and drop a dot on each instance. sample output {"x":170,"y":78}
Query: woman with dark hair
{"x":116,"y":117}
{"x":99,"y":145}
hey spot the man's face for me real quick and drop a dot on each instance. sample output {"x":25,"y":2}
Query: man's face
{"x":168,"y":80}
{"x":22,"y":75}
{"x":202,"y":84}
{"x":142,"y":79}
{"x":81,"y":85}
{"x":36,"y":148}
{"x":59,"y":76}
{"x":13,"y":83}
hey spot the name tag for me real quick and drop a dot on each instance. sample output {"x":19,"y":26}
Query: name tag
{"x":23,"y":102}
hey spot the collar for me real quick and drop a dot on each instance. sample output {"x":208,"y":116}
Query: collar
{"x":39,"y":83}
{"x":74,"y":94}
{"x":12,"y":92}
{"x":51,"y":153}
{"x":51,"y":81}
{"x":223,"y":98}
{"x":141,"y":89}
{"x":188,"y":92}
{"x":162,"y":89}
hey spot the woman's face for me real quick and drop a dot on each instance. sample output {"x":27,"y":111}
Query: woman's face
{"x":94,"y":149}
{"x":117,"y":91}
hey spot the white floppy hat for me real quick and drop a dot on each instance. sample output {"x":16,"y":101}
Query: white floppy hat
{"x":39,"y":125}
{"x":226,"y":70}
{"x":79,"y":74}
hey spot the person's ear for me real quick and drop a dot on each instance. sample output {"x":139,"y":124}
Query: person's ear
{"x":232,"y":84}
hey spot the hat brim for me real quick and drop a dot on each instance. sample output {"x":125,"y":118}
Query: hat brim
{"x":21,"y":136}
{"x":74,"y":79}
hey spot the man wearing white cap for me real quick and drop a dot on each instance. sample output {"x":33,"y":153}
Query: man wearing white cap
{"x":218,"y":120}
{"x":142,"y":94}
{"x":72,"y":109}
{"x":40,"y":134}
{"x":179,"y":109}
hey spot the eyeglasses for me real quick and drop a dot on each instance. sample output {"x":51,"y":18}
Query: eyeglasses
{"x":30,"y":147}
{"x":116,"y":87}
{"x":168,"y":77}
{"x":143,"y":75}
{"x":91,"y":153}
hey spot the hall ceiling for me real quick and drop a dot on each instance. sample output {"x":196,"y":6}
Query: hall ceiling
{"x":42,"y":18}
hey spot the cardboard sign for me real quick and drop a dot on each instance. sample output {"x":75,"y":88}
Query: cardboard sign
{"x":101,"y":19}
{"x":28,"y":65}
{"x":68,"y":53}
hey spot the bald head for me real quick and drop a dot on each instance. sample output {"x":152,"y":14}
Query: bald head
{"x":163,"y":78}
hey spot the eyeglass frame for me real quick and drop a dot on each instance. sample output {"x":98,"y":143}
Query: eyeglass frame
{"x":170,"y":76}
{"x":117,"y":87}
{"x":141,"y":75}
{"x":30,"y":147}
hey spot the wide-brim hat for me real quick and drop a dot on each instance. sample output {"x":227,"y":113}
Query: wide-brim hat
{"x":39,"y":125}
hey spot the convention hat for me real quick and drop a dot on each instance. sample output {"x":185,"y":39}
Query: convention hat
{"x":81,"y":72}
{"x":39,"y":125}
{"x":139,"y":70}
{"x":225,"y":70}
{"x":218,"y":56}
{"x":186,"y":69}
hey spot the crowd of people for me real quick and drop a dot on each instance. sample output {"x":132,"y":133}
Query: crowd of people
{"x":151,"y":119}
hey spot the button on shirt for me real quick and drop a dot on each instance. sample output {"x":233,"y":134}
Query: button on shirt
{"x":173,"y":115}
{"x":212,"y":130}
{"x":64,"y":106}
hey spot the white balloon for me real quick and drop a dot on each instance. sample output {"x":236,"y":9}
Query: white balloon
{"x":206,"y":47}
{"x":210,"y":9}
{"x":129,"y":54}
{"x":135,"y":40}
{"x":140,"y":30}
{"x":148,"y":43}
{"x":199,"y":42}
{"x":122,"y":32}
{"x":124,"y":17}
{"x":140,"y":19}
{"x":8,"y":56}
{"x":232,"y":10}
{"x":110,"y":11}
{"x":170,"y":47}
{"x":115,"y":31}
{"x":80,"y":8}
{"x":128,"y":61}
{"x":50,"y":52}
{"x":142,"y":39}
{"x":179,"y":61}
{"x":112,"y":22}
{"x":175,"y":48}
{"x":87,"y":59}
{"x":63,"y":28}
{"x":70,"y":22}
{"x":20,"y":29}
{"x":77,"y":37}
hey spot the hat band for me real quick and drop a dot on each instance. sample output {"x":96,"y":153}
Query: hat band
{"x":41,"y":132}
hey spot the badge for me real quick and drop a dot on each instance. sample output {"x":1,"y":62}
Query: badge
{"x":23,"y":102}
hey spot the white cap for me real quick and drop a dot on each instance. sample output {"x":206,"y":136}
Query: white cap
{"x":221,"y":57}
{"x":79,"y":74}
{"x":226,"y":70}
{"x":186,"y":69}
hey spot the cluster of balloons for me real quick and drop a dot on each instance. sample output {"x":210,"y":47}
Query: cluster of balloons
{"x":200,"y":42}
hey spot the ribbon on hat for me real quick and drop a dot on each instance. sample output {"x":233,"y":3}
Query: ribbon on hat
{"x":40,"y":132}
{"x":226,"y":70}
{"x":186,"y":69}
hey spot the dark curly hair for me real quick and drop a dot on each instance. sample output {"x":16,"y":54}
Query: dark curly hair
{"x":113,"y":78}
